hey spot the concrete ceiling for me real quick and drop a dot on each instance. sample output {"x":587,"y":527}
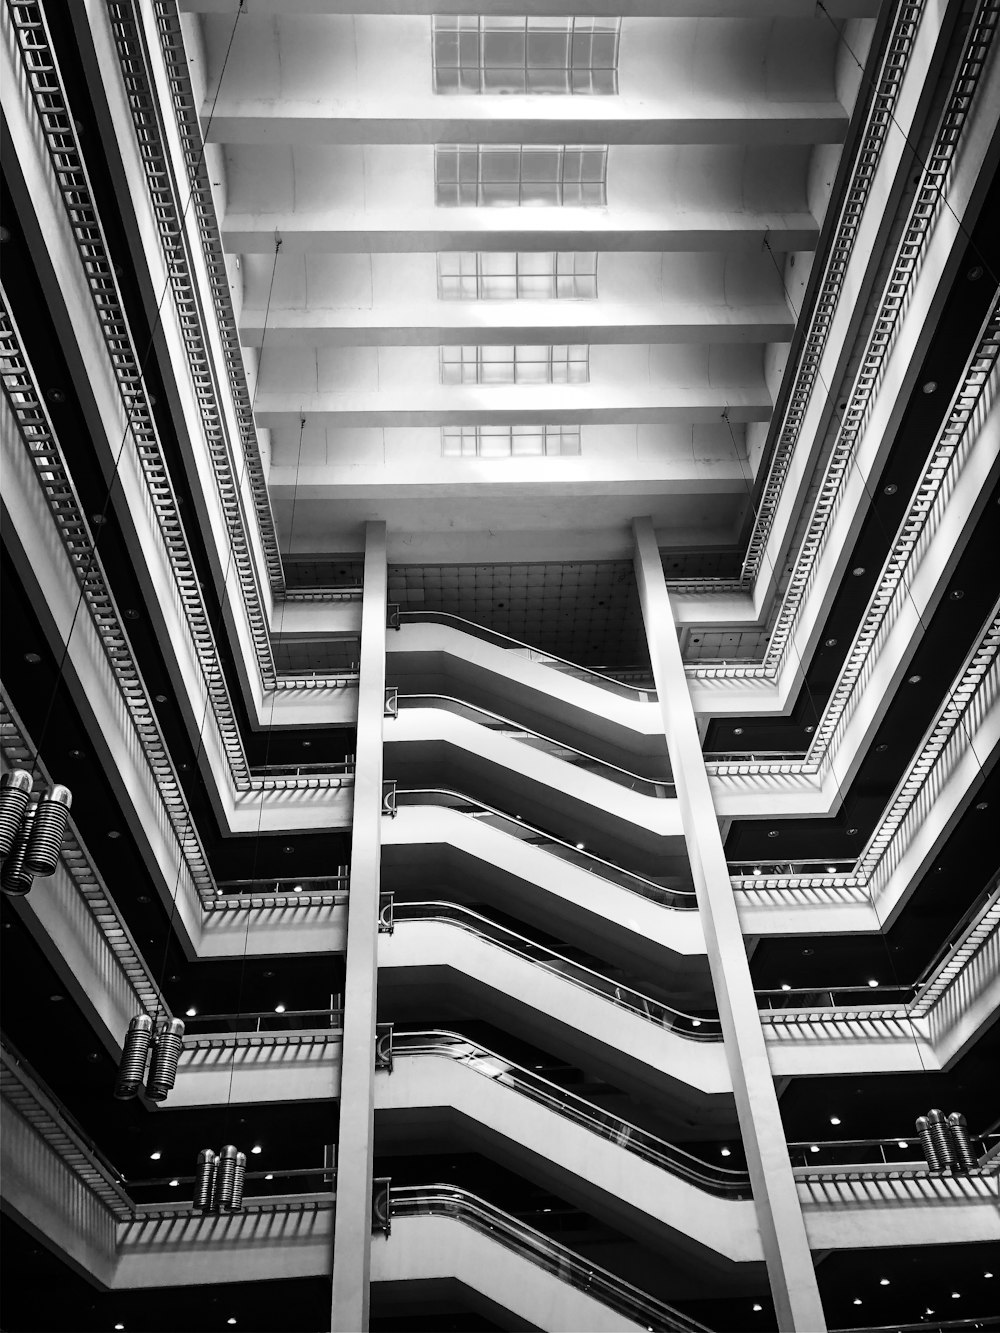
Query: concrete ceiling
{"x":722,"y":144}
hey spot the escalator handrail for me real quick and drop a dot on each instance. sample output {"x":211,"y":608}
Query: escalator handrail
{"x":452,"y":1201}
{"x":642,"y":1005}
{"x":717,"y":1180}
{"x":500,"y":640}
{"x":650,"y":889}
{"x":562,"y":745}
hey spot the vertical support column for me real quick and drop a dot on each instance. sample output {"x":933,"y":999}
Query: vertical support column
{"x":779,"y":1214}
{"x":353,"y":1233}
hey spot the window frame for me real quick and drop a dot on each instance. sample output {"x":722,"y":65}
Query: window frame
{"x":476,"y":270}
{"x":581,"y":38}
{"x":554,"y":441}
{"x":473,"y":176}
{"x":477,"y":363}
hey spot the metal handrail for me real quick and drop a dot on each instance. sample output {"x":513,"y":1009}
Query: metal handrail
{"x":451,"y":1201}
{"x":832,"y":865}
{"x":481,"y":1060}
{"x":881,"y":1152}
{"x":289,"y":884}
{"x":654,"y":786}
{"x":503,"y":640}
{"x":629,"y":879}
{"x":233,"y":1022}
{"x":751,"y":756}
{"x":928,"y":1326}
{"x":685,"y":1025}
{"x":776,"y":998}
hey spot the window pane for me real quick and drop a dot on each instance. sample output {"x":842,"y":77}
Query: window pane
{"x":535,"y":286}
{"x":526,"y":441}
{"x":496,"y":54}
{"x":494,"y":441}
{"x":498,"y":287}
{"x":540,"y":164}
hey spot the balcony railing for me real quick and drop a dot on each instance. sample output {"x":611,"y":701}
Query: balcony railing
{"x":263,"y":1021}
{"x":864,"y":1155}
{"x":603,"y":678}
{"x":484,"y":717}
{"x":683,"y":899}
{"x":695,"y":1027}
{"x":650,"y":1147}
{"x":502,"y":1228}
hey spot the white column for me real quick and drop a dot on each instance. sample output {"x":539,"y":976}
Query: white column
{"x":352,"y":1235}
{"x":779,"y":1215}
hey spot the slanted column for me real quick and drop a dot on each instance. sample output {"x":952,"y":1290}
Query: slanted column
{"x":355,"y":1155}
{"x":779,"y":1215}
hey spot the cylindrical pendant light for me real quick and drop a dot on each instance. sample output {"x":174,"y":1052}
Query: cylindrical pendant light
{"x":239,"y":1176}
{"x":225,"y":1179}
{"x":133,"y":1062}
{"x":928,"y":1143}
{"x":163,"y":1065}
{"x":16,"y":878}
{"x":959,"y":1129}
{"x":942,"y":1139}
{"x":205,"y":1179}
{"x":15,"y":793}
{"x":47,"y":832}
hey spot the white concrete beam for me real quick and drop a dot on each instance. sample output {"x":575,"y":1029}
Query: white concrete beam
{"x":470,"y":405}
{"x":432,"y":229}
{"x":437,"y":323}
{"x":718,"y":9}
{"x":431,"y":119}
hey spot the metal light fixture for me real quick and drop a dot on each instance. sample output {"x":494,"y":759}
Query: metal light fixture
{"x":133,"y":1062}
{"x":238,"y":1178}
{"x":959,"y":1132}
{"x":15,"y":793}
{"x":16,"y":878}
{"x":225,"y":1179}
{"x":204,"y":1180}
{"x":48,"y":830}
{"x":942,"y":1139}
{"x":166,"y":1053}
{"x":928,"y":1143}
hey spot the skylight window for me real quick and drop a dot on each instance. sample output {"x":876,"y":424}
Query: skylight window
{"x":520,"y":175}
{"x":529,"y":363}
{"x":508,"y":275}
{"x":497,"y":54}
{"x":509,"y":441}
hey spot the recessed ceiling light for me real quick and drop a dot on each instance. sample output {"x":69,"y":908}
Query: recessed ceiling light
{"x":160,"y":698}
{"x":851,"y":832}
{"x":174,"y":1184}
{"x":579,"y":846}
{"x":93,"y":1057}
{"x":696,"y":1022}
{"x":269,"y":1176}
{"x":772,"y":832}
{"x":155,"y":1156}
{"x":190,"y":1013}
{"x":956,"y":594}
{"x":143,"y":898}
{"x":279,"y":1008}
{"x":256,"y":1149}
{"x":987,"y":1274}
{"x":831,"y":643}
{"x":883,"y":1281}
{"x":737,"y":731}
{"x":725,"y":1152}
{"x":956,"y":1295}
{"x":831,"y":870}
{"x":858,"y":570}
{"x":902,"y":1143}
{"x":975,"y":273}
{"x":757,"y":1308}
{"x":55,"y":395}
{"x":857,"y":1300}
{"x":268,"y":973}
{"x":113,"y":834}
{"x":131,"y":613}
{"x":982,"y":805}
{"x":881,"y":749}
{"x":32,"y":659}
{"x":230,"y":1321}
{"x":872,"y":982}
{"x":785,"y":986}
{"x":807,"y":953}
{"x":288,"y":850}
{"x":119,"y":1326}
{"x":76,"y":754}
{"x":296,"y":888}
{"x":56,"y":998}
{"x":757,"y":871}
{"x":929,"y":386}
{"x":915,"y":679}
{"x":835,"y":1120}
{"x":891,"y":489}
{"x":814,"y":1147}
{"x":810,"y":728}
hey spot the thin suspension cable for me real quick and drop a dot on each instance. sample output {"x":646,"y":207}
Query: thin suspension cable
{"x":99,"y":523}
